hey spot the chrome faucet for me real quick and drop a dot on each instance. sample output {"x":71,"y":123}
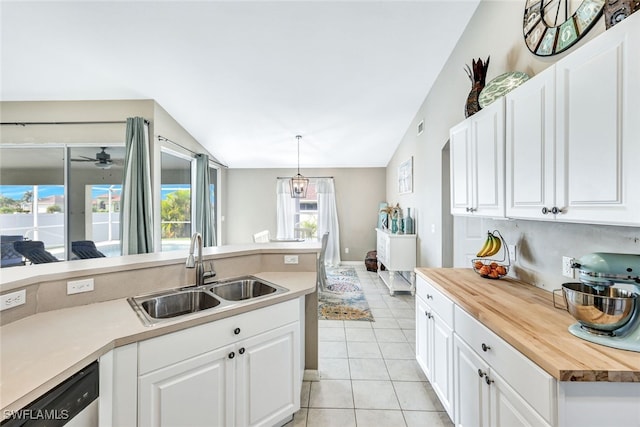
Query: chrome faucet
{"x":199,"y":265}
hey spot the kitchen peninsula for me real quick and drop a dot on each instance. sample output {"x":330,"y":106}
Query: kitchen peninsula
{"x":54,"y":334}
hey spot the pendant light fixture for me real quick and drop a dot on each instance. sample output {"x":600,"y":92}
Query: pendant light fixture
{"x":299,"y":183}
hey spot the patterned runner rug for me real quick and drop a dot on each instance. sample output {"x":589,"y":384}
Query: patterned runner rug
{"x":343,"y":299}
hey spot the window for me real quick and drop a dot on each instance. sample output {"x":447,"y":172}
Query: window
{"x":175,"y":201}
{"x":306,"y":216}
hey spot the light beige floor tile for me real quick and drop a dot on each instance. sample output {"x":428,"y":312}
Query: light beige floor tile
{"x":390,"y":335}
{"x":304,"y":394}
{"x":386,"y":323}
{"x":363,"y":350}
{"x":380,"y":418}
{"x":416,"y":396}
{"x":331,"y":417}
{"x":374,"y":395}
{"x":331,"y":394}
{"x":333,"y":369}
{"x":403,"y":313}
{"x":357,"y":324}
{"x":331,"y":334}
{"x":405,"y":370}
{"x":423,"y":419}
{"x":410,"y":335}
{"x":368,"y":369}
{"x":397,"y":350}
{"x":407,"y":323}
{"x":332,"y":349}
{"x":330,"y":323}
{"x":381,"y":313}
{"x":376,"y":303}
{"x":360,"y":334}
{"x":299,"y":419}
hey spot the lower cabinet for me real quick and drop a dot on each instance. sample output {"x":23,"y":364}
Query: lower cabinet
{"x":480,"y":380}
{"x":484,"y":398}
{"x":248,"y":376}
{"x":434,"y":341}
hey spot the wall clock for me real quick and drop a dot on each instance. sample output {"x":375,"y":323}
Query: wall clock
{"x":553,"y":26}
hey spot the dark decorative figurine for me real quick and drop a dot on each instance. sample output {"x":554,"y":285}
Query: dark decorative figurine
{"x":478,"y":78}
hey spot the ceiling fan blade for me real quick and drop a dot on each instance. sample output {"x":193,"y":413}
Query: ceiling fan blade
{"x":86,"y":159}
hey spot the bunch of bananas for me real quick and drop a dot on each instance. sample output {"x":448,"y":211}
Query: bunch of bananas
{"x":491,"y":246}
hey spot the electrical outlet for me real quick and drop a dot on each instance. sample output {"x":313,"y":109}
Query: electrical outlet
{"x":291,"y":259}
{"x":13,"y":299}
{"x":346,"y":250}
{"x":567,"y":269}
{"x":512,"y":252}
{"x":78,"y":286}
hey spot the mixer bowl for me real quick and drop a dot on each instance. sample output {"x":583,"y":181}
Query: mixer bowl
{"x":602,"y":309}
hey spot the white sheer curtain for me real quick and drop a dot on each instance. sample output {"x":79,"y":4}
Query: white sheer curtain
{"x":286,"y":210}
{"x":328,"y":219}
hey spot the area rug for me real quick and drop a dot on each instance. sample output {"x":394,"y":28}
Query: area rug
{"x":343,"y":298}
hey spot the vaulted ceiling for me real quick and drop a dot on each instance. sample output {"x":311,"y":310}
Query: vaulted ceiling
{"x":243,"y":77}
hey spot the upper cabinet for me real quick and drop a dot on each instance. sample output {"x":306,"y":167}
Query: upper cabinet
{"x":477,"y":163}
{"x":572,"y":135}
{"x":598,"y":129}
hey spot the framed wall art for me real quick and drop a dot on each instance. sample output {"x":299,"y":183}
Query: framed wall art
{"x":405,"y":176}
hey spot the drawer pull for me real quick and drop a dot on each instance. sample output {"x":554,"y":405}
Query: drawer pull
{"x":236,"y":331}
{"x":232,"y":355}
{"x":429,"y":315}
{"x":241,"y":351}
{"x":429,"y":296}
{"x":480,"y":373}
{"x":487,"y":380}
{"x":485,"y":347}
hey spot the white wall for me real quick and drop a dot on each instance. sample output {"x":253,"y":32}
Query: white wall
{"x":251,"y":205}
{"x":495,"y":30}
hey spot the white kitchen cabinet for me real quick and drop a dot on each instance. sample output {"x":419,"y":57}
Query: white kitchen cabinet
{"x":434,"y":341}
{"x":572,"y":135}
{"x":477,"y":163}
{"x":494,"y":384}
{"x":242,"y":370}
{"x":483,"y":397}
{"x":531,"y":148}
{"x":191,"y":393}
{"x":397,"y":252}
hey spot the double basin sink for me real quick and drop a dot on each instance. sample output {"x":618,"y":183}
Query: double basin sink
{"x":174,"y":303}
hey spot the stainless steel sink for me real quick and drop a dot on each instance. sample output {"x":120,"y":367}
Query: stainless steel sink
{"x":174,"y":303}
{"x":245,"y":288}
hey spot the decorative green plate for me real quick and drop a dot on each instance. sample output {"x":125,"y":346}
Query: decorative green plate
{"x":500,"y":86}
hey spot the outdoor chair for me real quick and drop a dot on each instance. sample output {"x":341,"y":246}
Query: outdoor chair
{"x":86,"y":249}
{"x":10,"y":257}
{"x":33,"y":250}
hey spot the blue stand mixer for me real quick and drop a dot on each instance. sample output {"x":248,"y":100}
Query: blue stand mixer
{"x":606,"y":301}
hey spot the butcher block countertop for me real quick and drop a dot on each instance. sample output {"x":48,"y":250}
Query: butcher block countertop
{"x":524,"y":316}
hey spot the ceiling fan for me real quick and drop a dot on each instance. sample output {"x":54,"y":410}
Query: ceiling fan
{"x":102,"y":160}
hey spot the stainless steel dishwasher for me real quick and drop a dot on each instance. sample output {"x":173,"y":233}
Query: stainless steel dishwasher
{"x":72,"y":403}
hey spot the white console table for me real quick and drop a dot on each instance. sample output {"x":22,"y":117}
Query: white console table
{"x":397,"y":252}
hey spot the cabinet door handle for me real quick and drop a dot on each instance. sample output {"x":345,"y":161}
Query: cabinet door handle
{"x":487,"y":380}
{"x":480,"y":373}
{"x":485,"y":347}
{"x":545,"y":210}
{"x":555,"y":210}
{"x":470,"y":209}
{"x":429,"y":316}
{"x":236,"y":331}
{"x":241,"y":351}
{"x":232,"y":355}
{"x":429,"y":296}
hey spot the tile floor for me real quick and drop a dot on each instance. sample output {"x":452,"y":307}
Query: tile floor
{"x":368,"y":375}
